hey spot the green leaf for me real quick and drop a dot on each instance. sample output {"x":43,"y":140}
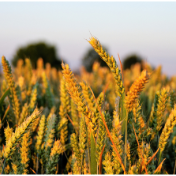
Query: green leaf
{"x":6,"y":112}
{"x":124,"y":118}
{"x":123,"y":113}
{"x":6,"y":93}
{"x":93,"y":163}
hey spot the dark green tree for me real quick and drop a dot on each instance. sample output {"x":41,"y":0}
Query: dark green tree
{"x":36,"y":50}
{"x":90,"y":57}
{"x":130,"y":60}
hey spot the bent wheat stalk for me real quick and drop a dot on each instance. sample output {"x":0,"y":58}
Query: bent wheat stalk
{"x":111,"y":62}
{"x":19,"y":133}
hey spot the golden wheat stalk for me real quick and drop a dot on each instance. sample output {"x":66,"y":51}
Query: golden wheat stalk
{"x":117,"y":138}
{"x":15,"y":168}
{"x":64,"y":97}
{"x":24,"y":113}
{"x":8,"y":133}
{"x":108,"y":164}
{"x":33,"y":98}
{"x":11,"y":84}
{"x":135,"y":89}
{"x":74,"y":91}
{"x":110,"y":61}
{"x":19,"y":133}
{"x":109,"y":134}
{"x":162,"y":102}
{"x":54,"y":157}
{"x":25,"y":152}
{"x":86,"y":90}
{"x":64,"y":133}
{"x":75,"y":146}
{"x":41,"y":131}
{"x":168,"y":128}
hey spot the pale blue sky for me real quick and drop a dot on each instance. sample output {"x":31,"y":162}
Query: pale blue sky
{"x":145,"y":28}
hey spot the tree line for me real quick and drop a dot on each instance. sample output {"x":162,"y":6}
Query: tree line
{"x":48,"y":53}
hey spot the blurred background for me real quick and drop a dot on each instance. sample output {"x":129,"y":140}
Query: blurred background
{"x":59,"y":31}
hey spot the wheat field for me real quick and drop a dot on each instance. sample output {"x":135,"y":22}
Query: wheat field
{"x":108,"y":121}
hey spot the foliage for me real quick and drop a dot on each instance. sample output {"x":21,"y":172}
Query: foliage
{"x":34,"y":51}
{"x":131,"y":60}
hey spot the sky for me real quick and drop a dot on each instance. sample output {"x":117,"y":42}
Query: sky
{"x":144,"y":28}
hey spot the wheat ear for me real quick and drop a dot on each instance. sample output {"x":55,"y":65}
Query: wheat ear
{"x":168,"y":128}
{"x":110,"y":61}
{"x":135,"y":89}
{"x":11,"y":84}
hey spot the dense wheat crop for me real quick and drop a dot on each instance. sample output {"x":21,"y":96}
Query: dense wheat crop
{"x":108,"y":121}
